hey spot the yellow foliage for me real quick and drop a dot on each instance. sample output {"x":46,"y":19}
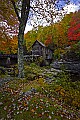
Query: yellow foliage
{"x":32,"y":110}
{"x":60,"y":90}
{"x":41,"y":81}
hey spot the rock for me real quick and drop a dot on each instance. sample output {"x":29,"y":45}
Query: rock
{"x":55,"y":70}
{"x":55,"y":73}
{"x":33,"y":90}
{"x":52,"y":69}
{"x":1,"y":103}
{"x":73,"y":67}
{"x":55,"y":65}
{"x":30,"y":92}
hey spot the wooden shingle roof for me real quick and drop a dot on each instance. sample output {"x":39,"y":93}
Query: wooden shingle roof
{"x":39,"y":43}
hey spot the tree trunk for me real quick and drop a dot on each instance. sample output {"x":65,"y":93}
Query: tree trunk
{"x":20,"y":51}
{"x":22,"y":20}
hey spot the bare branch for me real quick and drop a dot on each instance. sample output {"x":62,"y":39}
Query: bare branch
{"x":16,"y":10}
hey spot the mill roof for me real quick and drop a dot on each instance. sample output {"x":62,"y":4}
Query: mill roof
{"x":39,"y":43}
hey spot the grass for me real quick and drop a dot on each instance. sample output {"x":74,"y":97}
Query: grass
{"x":58,"y":100}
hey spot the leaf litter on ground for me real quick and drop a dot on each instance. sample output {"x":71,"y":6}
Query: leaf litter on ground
{"x":41,"y":104}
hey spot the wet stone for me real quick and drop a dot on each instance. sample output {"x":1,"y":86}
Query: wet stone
{"x":30,"y":92}
{"x":1,"y":103}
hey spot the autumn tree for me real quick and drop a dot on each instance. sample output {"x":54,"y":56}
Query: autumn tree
{"x":9,"y":46}
{"x":30,"y":37}
{"x":8,"y":22}
{"x":12,"y":45}
{"x":74,"y":28}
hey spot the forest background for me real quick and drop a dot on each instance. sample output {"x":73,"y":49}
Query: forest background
{"x":63,"y":34}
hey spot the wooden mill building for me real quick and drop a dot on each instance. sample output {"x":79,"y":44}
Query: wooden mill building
{"x":39,"y":49}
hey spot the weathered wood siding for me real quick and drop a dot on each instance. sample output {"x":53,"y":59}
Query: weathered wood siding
{"x":49,"y":53}
{"x":40,"y":49}
{"x":37,"y":49}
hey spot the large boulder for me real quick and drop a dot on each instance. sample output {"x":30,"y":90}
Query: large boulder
{"x":73,"y":67}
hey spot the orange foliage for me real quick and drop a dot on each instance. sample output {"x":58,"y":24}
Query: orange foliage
{"x":9,"y":46}
{"x":48,"y":41}
{"x":8,"y":25}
